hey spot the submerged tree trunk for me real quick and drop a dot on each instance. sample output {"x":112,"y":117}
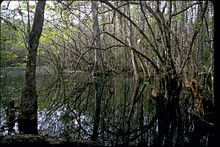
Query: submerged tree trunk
{"x":27,"y":122}
{"x":99,"y":84}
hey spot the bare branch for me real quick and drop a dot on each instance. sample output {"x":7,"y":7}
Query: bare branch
{"x":184,"y":9}
{"x":137,"y":27}
{"x":135,"y":50}
{"x":200,"y":21}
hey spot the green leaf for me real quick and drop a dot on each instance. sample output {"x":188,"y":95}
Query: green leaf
{"x":8,"y":73}
{"x":66,"y":80}
{"x":15,"y":56}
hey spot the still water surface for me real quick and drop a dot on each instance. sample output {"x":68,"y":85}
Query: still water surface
{"x":69,"y":104}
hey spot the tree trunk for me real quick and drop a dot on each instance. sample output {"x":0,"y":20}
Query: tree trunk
{"x":98,"y":66}
{"x":131,"y":43}
{"x":27,"y":122}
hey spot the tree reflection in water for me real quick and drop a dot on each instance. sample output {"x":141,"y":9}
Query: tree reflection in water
{"x":115,"y":110}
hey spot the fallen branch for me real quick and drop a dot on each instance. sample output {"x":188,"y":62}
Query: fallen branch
{"x":29,"y":139}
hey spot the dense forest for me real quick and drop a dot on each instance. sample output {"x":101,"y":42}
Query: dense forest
{"x":113,"y":72}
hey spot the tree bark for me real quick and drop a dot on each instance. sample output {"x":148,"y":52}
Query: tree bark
{"x":131,"y":42}
{"x":98,"y":66}
{"x":27,"y":122}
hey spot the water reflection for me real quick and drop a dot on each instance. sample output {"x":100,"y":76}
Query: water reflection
{"x":115,"y":110}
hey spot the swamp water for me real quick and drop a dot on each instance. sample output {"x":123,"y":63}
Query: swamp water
{"x":123,"y":111}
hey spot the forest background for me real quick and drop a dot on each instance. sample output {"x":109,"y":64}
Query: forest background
{"x":170,"y":41}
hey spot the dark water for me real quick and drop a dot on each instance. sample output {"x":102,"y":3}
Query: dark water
{"x":70,"y":105}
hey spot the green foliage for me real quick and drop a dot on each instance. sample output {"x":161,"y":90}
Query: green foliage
{"x":144,"y":45}
{"x":12,"y":43}
{"x":206,"y":56}
{"x":207,"y":92}
{"x":9,"y":58}
{"x":46,"y":35}
{"x":6,"y":55}
{"x":178,"y":17}
{"x":10,"y":25}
